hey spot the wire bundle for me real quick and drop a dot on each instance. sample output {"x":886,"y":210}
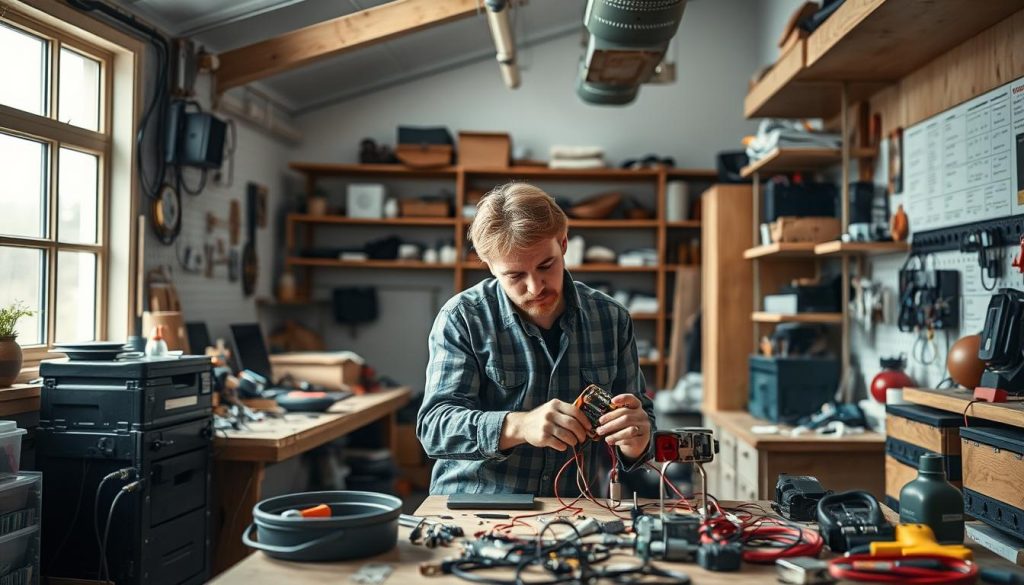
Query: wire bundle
{"x":908,"y":570}
{"x":765,"y":538}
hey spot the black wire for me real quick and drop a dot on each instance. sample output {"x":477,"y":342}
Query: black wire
{"x":106,"y":533}
{"x":184,"y":186}
{"x":96,"y":523}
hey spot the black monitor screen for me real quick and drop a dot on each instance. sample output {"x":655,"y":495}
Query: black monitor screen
{"x":250,"y":349}
{"x":198,"y":337}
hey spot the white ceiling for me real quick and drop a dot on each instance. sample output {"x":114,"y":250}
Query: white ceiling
{"x":233,"y":24}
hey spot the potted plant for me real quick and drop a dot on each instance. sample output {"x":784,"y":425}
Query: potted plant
{"x":10,"y":351}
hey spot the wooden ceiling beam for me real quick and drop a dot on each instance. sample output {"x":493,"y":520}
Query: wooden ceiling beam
{"x":333,"y":37}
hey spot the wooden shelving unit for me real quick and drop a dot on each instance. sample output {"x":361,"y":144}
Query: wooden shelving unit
{"x":837,"y":248}
{"x":866,"y":45}
{"x":386,"y":264}
{"x":823,"y":318}
{"x":784,"y":160}
{"x":781,"y":250}
{"x":300,"y":227}
{"x":395,"y":221}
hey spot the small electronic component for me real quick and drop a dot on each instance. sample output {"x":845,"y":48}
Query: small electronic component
{"x":803,"y":571}
{"x":686,"y":445}
{"x":797,"y":496}
{"x":594,"y":402}
{"x":852,"y":519}
{"x":715,"y":556}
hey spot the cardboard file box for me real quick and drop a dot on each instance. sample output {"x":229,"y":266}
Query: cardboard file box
{"x":911,"y":431}
{"x":340,"y":370}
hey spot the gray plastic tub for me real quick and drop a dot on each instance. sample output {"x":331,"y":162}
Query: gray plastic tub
{"x":362,"y":524}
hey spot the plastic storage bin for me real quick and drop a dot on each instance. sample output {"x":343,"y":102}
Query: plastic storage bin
{"x":788,"y":389}
{"x":20,"y":514}
{"x":10,"y":446}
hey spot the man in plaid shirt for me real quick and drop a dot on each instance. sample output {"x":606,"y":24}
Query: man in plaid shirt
{"x":510,"y":355}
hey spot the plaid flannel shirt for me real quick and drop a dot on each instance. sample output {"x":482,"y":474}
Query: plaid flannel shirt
{"x":486,"y":361}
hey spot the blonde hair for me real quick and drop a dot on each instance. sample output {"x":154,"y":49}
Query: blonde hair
{"x":515,"y":216}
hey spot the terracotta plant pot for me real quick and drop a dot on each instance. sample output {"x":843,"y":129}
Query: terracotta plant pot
{"x":10,"y":360}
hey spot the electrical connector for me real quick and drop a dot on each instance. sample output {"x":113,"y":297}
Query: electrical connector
{"x":615,"y":491}
{"x":714,"y":556}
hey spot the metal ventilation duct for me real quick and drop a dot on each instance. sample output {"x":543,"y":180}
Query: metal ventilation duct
{"x":628,"y":39}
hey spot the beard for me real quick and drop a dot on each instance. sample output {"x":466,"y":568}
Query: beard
{"x":539,"y":306}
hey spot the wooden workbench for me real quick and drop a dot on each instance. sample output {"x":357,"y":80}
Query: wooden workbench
{"x":259,"y":569}
{"x":749,"y":464}
{"x":241,"y":458}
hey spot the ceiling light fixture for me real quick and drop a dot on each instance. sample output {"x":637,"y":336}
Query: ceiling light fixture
{"x":628,"y":39}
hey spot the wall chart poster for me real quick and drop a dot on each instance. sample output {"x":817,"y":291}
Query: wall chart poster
{"x":967,"y":163}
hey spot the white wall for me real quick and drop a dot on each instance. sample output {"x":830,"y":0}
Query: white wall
{"x":689,"y":120}
{"x":218,"y":301}
{"x":772,"y":16}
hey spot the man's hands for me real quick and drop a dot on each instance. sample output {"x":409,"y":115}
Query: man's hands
{"x":561,"y":425}
{"x":554,"y":424}
{"x":627,"y":427}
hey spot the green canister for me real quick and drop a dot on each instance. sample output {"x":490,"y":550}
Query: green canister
{"x":933,"y":501}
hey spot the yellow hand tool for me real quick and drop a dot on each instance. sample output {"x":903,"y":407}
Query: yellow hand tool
{"x":918,"y":539}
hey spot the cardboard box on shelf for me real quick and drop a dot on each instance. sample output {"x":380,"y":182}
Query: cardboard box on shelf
{"x":484,"y":149}
{"x":340,"y":370}
{"x":805,"y":229}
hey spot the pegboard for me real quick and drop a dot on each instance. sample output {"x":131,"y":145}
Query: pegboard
{"x":887,"y":340}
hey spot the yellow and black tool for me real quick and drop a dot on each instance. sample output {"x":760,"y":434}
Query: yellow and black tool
{"x":918,"y":539}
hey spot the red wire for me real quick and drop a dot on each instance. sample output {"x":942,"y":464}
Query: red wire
{"x":888,"y":570}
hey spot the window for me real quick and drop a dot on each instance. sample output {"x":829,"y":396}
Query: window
{"x":55,"y":158}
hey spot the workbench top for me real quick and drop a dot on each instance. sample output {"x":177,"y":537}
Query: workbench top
{"x":741,"y":422}
{"x":259,"y":569}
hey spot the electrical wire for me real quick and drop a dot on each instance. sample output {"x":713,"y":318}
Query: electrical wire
{"x":907,"y":570}
{"x":105,"y":574}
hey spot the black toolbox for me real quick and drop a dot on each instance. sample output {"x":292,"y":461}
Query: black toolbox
{"x":787,"y":389}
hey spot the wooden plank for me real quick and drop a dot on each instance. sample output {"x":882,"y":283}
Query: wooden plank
{"x":529,"y":172}
{"x":727,"y":285}
{"x":959,"y":401}
{"x":382,"y":264}
{"x":896,"y":476}
{"x":686,"y":303}
{"x":395,"y":221}
{"x":739,"y":423}
{"x":996,"y":473}
{"x":945,"y":441}
{"x":781,"y":250}
{"x":824,"y":318}
{"x":371,"y":170}
{"x":19,"y":399}
{"x":887,"y":39}
{"x":784,"y":160}
{"x":839,"y":248}
{"x":334,"y":37}
{"x":276,"y":439}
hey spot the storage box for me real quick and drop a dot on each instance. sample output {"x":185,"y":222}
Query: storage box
{"x":334,"y":370}
{"x":424,"y":208}
{"x":912,"y":430}
{"x":484,"y":149}
{"x":20,"y":515}
{"x":365,"y":200}
{"x":10,"y":447}
{"x":993,"y":473}
{"x":788,"y":389}
{"x":805,"y":229}
{"x":424,"y":156}
{"x":799,"y":200}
